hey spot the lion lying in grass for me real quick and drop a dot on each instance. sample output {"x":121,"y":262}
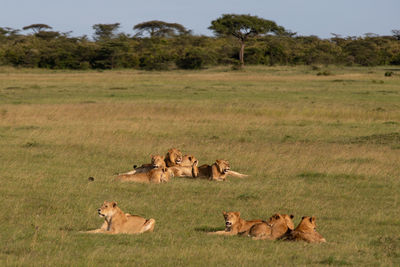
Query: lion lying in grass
{"x":173,"y":157}
{"x":156,"y":176}
{"x":118,"y":222}
{"x":234,"y":225}
{"x":306,"y":231}
{"x":157,"y":161}
{"x":218,"y":171}
{"x":276,"y":227}
{"x":188,"y":168}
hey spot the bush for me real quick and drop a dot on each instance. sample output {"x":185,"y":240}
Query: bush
{"x":193,"y":59}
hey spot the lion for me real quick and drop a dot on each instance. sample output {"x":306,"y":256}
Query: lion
{"x":216,"y":172}
{"x":156,"y":176}
{"x":157,"y":161}
{"x":188,"y":169}
{"x":306,"y":231}
{"x":276,"y":227}
{"x":118,"y":222}
{"x":234,"y":225}
{"x":173,"y":157}
{"x":188,"y":160}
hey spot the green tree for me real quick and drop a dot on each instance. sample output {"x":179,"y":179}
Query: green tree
{"x":157,"y":28}
{"x":243,"y":27}
{"x":36,"y":28}
{"x":104,"y":32}
{"x":396,"y":34}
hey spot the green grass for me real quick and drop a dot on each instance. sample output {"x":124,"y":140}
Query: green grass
{"x":326,"y":146}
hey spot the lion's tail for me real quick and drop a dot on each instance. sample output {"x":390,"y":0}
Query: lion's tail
{"x":237,"y":174}
{"x":126,"y":173}
{"x":148,"y":226}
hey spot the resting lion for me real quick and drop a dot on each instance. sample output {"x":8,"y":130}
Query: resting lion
{"x":118,"y":222}
{"x":156,"y":176}
{"x":235,"y":225}
{"x":306,"y":231}
{"x":276,"y":227}
{"x":218,"y":171}
{"x":188,"y":169}
{"x":157,"y":161}
{"x":173,"y":157}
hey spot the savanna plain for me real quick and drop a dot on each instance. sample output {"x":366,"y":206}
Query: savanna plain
{"x":313,"y":145}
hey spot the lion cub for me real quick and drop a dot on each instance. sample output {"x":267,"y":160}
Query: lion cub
{"x":306,"y":231}
{"x":276,"y":227}
{"x":118,"y":222}
{"x":155,"y":176}
{"x":235,"y":225}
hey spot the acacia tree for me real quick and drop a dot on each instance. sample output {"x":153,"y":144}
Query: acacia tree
{"x":157,"y":28}
{"x":36,"y":28}
{"x":243,"y":27}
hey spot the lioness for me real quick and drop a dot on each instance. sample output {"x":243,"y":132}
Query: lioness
{"x":173,"y":157}
{"x":118,"y":222}
{"x":217,"y":172}
{"x":188,"y":160}
{"x":157,"y":161}
{"x":189,"y":170}
{"x":156,"y":176}
{"x":276,"y":227}
{"x":235,"y":225}
{"x":306,"y":231}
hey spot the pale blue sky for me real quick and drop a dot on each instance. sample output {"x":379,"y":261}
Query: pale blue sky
{"x":306,"y":17}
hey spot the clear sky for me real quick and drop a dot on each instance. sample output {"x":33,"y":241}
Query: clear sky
{"x":306,"y":17}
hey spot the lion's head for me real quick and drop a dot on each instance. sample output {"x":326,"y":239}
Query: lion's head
{"x":231,"y":218}
{"x":276,"y":219}
{"x":289,"y":221}
{"x":174,"y":156}
{"x":157,"y":161}
{"x":189,"y":160}
{"x":307,"y":224}
{"x":108,"y":209}
{"x":222,"y":165}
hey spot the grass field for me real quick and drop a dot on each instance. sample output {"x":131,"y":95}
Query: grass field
{"x":327,"y":146}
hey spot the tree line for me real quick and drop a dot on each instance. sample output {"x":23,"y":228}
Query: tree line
{"x":159,"y":45}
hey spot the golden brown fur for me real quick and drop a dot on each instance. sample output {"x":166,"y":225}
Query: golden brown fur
{"x":276,"y":227}
{"x":157,"y":161}
{"x":188,"y":160}
{"x":189,"y":170}
{"x":216,"y":172}
{"x":118,"y":222}
{"x":173,"y":157}
{"x":235,"y":225}
{"x":306,"y":231}
{"x":156,"y":176}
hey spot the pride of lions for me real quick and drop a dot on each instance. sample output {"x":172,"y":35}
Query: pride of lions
{"x":173,"y":164}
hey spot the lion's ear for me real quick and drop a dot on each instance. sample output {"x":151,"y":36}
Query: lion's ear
{"x":291,"y":216}
{"x":313,"y":219}
{"x":302,"y":218}
{"x":114,"y":204}
{"x":224,"y":213}
{"x":237,"y":213}
{"x":190,"y":158}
